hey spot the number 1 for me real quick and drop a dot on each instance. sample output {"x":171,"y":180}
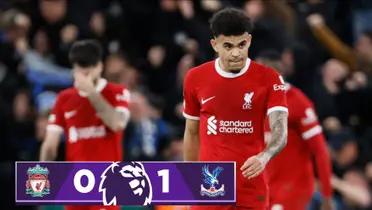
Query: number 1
{"x":165,"y":180}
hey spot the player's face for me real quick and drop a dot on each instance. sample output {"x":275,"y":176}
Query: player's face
{"x":93,"y":72}
{"x":232,"y":50}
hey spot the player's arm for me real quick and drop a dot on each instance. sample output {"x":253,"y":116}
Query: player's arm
{"x":278,"y":121}
{"x":277,"y":112}
{"x":191,"y":140}
{"x":111,"y":117}
{"x":191,"y":112}
{"x":49,"y":147}
{"x":312,"y":134}
{"x":319,"y":151}
{"x":54,"y":130}
{"x":278,"y":125}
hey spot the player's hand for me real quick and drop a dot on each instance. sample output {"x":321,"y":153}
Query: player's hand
{"x":83,"y":82}
{"x":327,"y":204}
{"x":254,"y":166}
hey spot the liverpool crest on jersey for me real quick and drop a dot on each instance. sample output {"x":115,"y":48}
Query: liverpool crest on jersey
{"x":248,"y":100}
{"x":37,"y":184}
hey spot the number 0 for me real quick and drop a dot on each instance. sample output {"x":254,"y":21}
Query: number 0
{"x":91,"y":181}
{"x":165,"y":180}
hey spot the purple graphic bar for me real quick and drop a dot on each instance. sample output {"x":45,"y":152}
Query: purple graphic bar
{"x":125,"y":183}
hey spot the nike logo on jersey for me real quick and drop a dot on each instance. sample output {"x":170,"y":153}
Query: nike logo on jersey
{"x":70,"y":114}
{"x":206,"y":100}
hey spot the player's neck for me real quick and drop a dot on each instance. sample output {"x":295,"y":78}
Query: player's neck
{"x":235,"y":71}
{"x":230,"y":74}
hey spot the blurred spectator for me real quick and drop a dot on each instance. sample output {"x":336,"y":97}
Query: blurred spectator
{"x":159,"y":73}
{"x":357,"y":58}
{"x":13,"y":43}
{"x":174,"y":99}
{"x":354,"y":190}
{"x":21,"y":127}
{"x":88,"y":16}
{"x":119,"y":70}
{"x":344,"y":148}
{"x":362,"y":14}
{"x":53,"y":19}
{"x":147,"y":133}
{"x":40,"y":64}
{"x":268,"y":29}
{"x":340,"y":93}
{"x":45,"y":102}
{"x":333,"y":72}
{"x":351,"y":186}
{"x":97,"y":25}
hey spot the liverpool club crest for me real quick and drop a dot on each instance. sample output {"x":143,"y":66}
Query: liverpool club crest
{"x":211,"y":180}
{"x":37,"y":184}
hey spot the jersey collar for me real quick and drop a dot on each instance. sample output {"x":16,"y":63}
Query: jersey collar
{"x":226,"y":74}
{"x":101,"y":84}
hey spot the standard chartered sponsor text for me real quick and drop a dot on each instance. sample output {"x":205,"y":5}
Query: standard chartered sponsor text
{"x":240,"y":127}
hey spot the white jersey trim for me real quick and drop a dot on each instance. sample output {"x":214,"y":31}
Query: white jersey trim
{"x":190,"y":116}
{"x":277,"y":108}
{"x":226,"y":74}
{"x":54,"y":128}
{"x":312,"y":132}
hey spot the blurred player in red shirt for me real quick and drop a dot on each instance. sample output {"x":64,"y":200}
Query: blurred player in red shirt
{"x":226,"y":102}
{"x":291,"y":173}
{"x":92,"y":114}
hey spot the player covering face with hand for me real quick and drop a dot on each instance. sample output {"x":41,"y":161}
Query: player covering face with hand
{"x":92,"y":114}
{"x":226,"y":102}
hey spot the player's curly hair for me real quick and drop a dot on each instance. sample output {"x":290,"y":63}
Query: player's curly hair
{"x":85,"y":53}
{"x":230,"y":22}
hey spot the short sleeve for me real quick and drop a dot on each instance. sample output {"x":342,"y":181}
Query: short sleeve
{"x":308,"y":121}
{"x":120,"y":101}
{"x":56,"y":120}
{"x":191,"y":105}
{"x":276,"y":93}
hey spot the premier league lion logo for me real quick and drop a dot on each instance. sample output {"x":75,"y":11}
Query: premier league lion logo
{"x":126,"y":182}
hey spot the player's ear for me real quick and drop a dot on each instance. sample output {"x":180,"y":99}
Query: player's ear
{"x":214,"y":44}
{"x":249,"y":40}
{"x":100,"y":67}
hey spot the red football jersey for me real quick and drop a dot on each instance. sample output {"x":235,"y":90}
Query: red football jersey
{"x":87,"y":137}
{"x":291,"y":172}
{"x":231,"y":109}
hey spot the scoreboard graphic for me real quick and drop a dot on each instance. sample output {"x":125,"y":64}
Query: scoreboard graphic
{"x":125,"y":183}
